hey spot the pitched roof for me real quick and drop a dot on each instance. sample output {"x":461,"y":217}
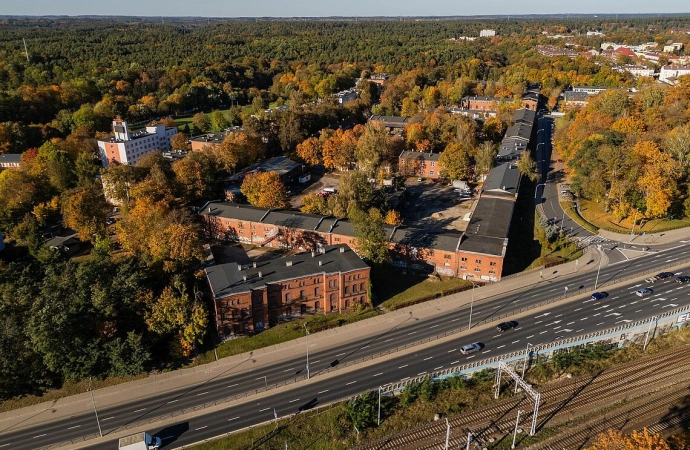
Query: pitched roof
{"x":519,"y":131}
{"x":503,"y":180}
{"x":11,"y":158}
{"x":423,"y":156}
{"x":390,"y":121}
{"x":423,"y":238}
{"x":228,"y":279}
{"x":526,"y":116}
{"x":235,"y":211}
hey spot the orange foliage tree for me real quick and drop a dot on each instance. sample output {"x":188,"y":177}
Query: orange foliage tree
{"x":265,"y":190}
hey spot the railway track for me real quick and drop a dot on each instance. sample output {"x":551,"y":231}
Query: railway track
{"x":560,"y":402}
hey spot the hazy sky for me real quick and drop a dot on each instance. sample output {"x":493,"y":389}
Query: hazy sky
{"x":315,"y":8}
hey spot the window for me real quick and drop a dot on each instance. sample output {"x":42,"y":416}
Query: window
{"x":446,"y":256}
{"x":431,"y":173}
{"x":336,"y":239}
{"x":463,"y":267}
{"x":347,"y":290}
{"x":477,"y":269}
{"x":287,"y":297}
{"x":463,"y":259}
{"x":316,"y":291}
{"x":477,"y":261}
{"x":354,"y":288}
{"x":492,"y":263}
{"x":491,"y":272}
{"x":433,"y":164}
{"x":361,"y":287}
{"x":302,"y":295}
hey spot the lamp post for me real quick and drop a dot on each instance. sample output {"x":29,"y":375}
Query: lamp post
{"x":649,"y":328}
{"x":94,"y":408}
{"x":536,"y":189}
{"x":524,"y":364}
{"x":596,"y":281}
{"x":447,"y":433}
{"x":632,"y":229}
{"x":565,"y":291}
{"x":378,"y":416}
{"x":307,"y":337}
{"x":469,"y":326}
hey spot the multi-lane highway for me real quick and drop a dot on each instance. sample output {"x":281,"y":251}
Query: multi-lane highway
{"x":560,"y":321}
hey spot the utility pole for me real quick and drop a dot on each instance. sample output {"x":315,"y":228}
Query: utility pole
{"x":517,"y":421}
{"x":649,"y":328}
{"x":94,"y":409}
{"x":524,"y":365}
{"x":447,"y":433}
{"x":596,"y":282}
{"x":469,"y":326}
{"x":378,"y":416}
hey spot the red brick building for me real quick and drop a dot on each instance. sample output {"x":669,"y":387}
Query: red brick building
{"x":420,"y":164}
{"x":251,"y":298}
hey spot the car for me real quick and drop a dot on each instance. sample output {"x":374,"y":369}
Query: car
{"x":650,"y":280}
{"x":682,"y":279}
{"x":504,"y":326}
{"x":470,"y":348}
{"x":663,"y":275}
{"x":643,"y":292}
{"x":599,"y":295}
{"x":109,"y":221}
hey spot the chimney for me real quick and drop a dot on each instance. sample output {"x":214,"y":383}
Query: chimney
{"x":313,"y":253}
{"x":320,"y":263}
{"x":288,"y":263}
{"x":244,"y":277}
{"x":342,"y":249}
{"x":239,"y":267}
{"x":260,"y":274}
{"x":254,"y":264}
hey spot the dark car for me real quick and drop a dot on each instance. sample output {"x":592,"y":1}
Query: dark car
{"x":503,"y":326}
{"x":682,"y":279}
{"x":109,"y":221}
{"x":663,"y":275}
{"x":599,"y":295}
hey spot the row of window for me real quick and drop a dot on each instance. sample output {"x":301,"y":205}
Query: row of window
{"x":476,"y":261}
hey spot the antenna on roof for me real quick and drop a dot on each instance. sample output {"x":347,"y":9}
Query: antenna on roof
{"x":26,"y":52}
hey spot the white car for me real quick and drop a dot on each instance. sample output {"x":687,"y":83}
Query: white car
{"x":643,"y":292}
{"x":470,"y":348}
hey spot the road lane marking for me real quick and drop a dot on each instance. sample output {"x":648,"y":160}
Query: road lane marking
{"x":638,"y":310}
{"x":486,"y":351}
{"x":234,"y":418}
{"x":289,"y":370}
{"x":40,"y":435}
{"x":293,"y":401}
{"x":380,"y":373}
{"x":139,"y":410}
{"x":455,"y":320}
{"x":388,"y":340}
{"x":172,"y":401}
{"x":530,"y":336}
{"x":578,"y":309}
{"x":265,"y":409}
{"x":437,"y":368}
{"x":411,"y":332}
{"x":569,"y":323}
{"x":5,"y":445}
{"x":581,"y":329}
{"x":201,"y":428}
{"x":427,"y":359}
{"x":322,"y":392}
{"x":232,"y":385}
{"x":543,"y":332}
{"x":366,"y":346}
{"x":203,"y":393}
{"x":454,"y":362}
{"x":421,"y":373}
{"x":351,"y":382}
{"x":107,"y":418}
{"x":341,"y":354}
{"x":470,"y":357}
{"x":451,"y":351}
{"x":72,"y":428}
{"x":433,"y":326}
{"x":600,"y":323}
{"x":501,"y":346}
{"x":402,"y":367}
{"x":515,"y":342}
{"x":538,"y":321}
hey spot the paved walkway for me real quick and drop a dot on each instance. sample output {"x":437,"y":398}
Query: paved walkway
{"x":185,"y":378}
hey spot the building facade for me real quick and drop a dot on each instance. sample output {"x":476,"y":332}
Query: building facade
{"x":251,"y":298}
{"x":127,"y":147}
{"x":420,"y":164}
{"x":10,"y":161}
{"x":669,"y":74}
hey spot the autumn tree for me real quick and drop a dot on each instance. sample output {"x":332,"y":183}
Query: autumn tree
{"x":637,"y":440}
{"x":157,"y":186}
{"x":195,"y":175}
{"x":339,"y":149}
{"x":218,"y":121}
{"x":180,"y":141}
{"x":658,"y":180}
{"x":354,"y":193}
{"x":455,"y":161}
{"x":315,"y":203}
{"x":393,"y":218}
{"x":238,"y":150}
{"x":372,"y":243}
{"x":83,"y":210}
{"x":265,"y":190}
{"x":309,"y":151}
{"x":485,"y":157}
{"x":201,"y":122}
{"x":527,"y":166}
{"x":373,"y":147}
{"x":493,"y":129}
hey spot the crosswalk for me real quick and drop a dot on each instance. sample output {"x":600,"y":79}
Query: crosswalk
{"x":588,"y":240}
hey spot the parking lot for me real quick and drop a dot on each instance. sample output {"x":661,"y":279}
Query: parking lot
{"x":433,"y":206}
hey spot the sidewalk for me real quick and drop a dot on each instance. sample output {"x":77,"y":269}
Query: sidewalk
{"x":650,"y":240}
{"x":187,"y":378}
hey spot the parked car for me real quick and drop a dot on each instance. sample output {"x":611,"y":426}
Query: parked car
{"x":650,"y":280}
{"x":664,"y":275}
{"x":109,"y":221}
{"x":504,"y":326}
{"x":599,"y":295}
{"x":470,"y":348}
{"x":682,"y":279}
{"x":643,"y":292}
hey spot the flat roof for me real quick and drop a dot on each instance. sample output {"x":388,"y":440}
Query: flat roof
{"x":11,"y":158}
{"x":504,"y":177}
{"x":491,"y":217}
{"x":228,"y":279}
{"x":422,"y":238}
{"x":484,"y":245}
{"x":424,"y":156}
{"x":234,"y":211}
{"x":279,"y":164}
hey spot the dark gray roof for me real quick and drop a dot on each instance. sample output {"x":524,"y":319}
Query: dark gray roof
{"x":422,"y":238}
{"x":511,"y":148}
{"x":341,"y":226}
{"x":294,"y":219}
{"x":59,"y":241}
{"x":571,"y":96}
{"x":485,"y":245}
{"x":420,"y":155}
{"x":491,"y":217}
{"x":227,"y":279}
{"x":217,"y":138}
{"x":391,"y":121}
{"x":519,"y":131}
{"x":11,"y":158}
{"x":525,"y":116}
{"x":504,"y":178}
{"x":235,"y":211}
{"x":280,"y":164}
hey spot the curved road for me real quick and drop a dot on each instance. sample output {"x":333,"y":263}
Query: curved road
{"x":410,"y":330}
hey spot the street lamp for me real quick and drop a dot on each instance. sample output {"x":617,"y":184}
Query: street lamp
{"x":378,"y":416}
{"x":596,"y":282}
{"x":469,"y":326}
{"x":536,"y":189}
{"x":90,"y":389}
{"x":646,"y":338}
{"x":517,"y":421}
{"x":307,"y":337}
{"x":524,"y":365}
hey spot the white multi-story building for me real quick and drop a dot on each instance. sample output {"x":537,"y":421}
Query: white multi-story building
{"x":127,"y":148}
{"x":668,"y":74}
{"x":638,"y":70}
{"x":487,"y":33}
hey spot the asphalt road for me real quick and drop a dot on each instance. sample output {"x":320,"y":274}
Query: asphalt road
{"x":397,"y":334}
{"x":561,"y":321}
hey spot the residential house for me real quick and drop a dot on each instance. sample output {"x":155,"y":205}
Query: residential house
{"x":289,"y":170}
{"x":10,"y":161}
{"x":421,"y":164}
{"x":393,"y":124}
{"x":575,"y":100}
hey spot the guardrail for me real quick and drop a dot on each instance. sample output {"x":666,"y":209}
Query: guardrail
{"x":395,"y":350}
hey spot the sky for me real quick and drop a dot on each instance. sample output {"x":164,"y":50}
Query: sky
{"x":322,"y":8}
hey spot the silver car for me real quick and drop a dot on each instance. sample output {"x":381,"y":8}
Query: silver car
{"x":643,"y":292}
{"x":470,"y":348}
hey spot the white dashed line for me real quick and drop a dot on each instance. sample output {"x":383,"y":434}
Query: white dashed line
{"x":427,"y":359}
{"x":40,"y":435}
{"x":234,"y":418}
{"x":451,"y":351}
{"x":322,"y":392}
{"x":454,"y":362}
{"x":203,"y":393}
{"x":265,"y":409}
{"x":600,"y":323}
{"x":232,"y":385}
{"x":340,"y":354}
{"x":515,"y":342}
{"x":470,"y":357}
{"x":433,"y":326}
{"x":455,"y":320}
{"x":289,"y":370}
{"x":437,"y":368}
{"x":543,"y":332}
{"x":107,"y":418}
{"x":501,"y":346}
{"x":293,"y":401}
{"x":411,"y":332}
{"x":402,"y":367}
{"x":421,"y":373}
{"x":380,"y":373}
{"x":351,"y":382}
{"x":530,"y":336}
{"x":578,"y":309}
{"x":366,"y":346}
{"x":486,"y":351}
{"x":201,"y":428}
{"x":172,"y":401}
{"x":388,"y":340}
{"x":139,"y":410}
{"x":72,"y":428}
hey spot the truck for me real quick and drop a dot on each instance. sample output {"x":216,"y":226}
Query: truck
{"x":139,"y":441}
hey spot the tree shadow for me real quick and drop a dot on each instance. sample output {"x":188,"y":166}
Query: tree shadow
{"x":522,"y":251}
